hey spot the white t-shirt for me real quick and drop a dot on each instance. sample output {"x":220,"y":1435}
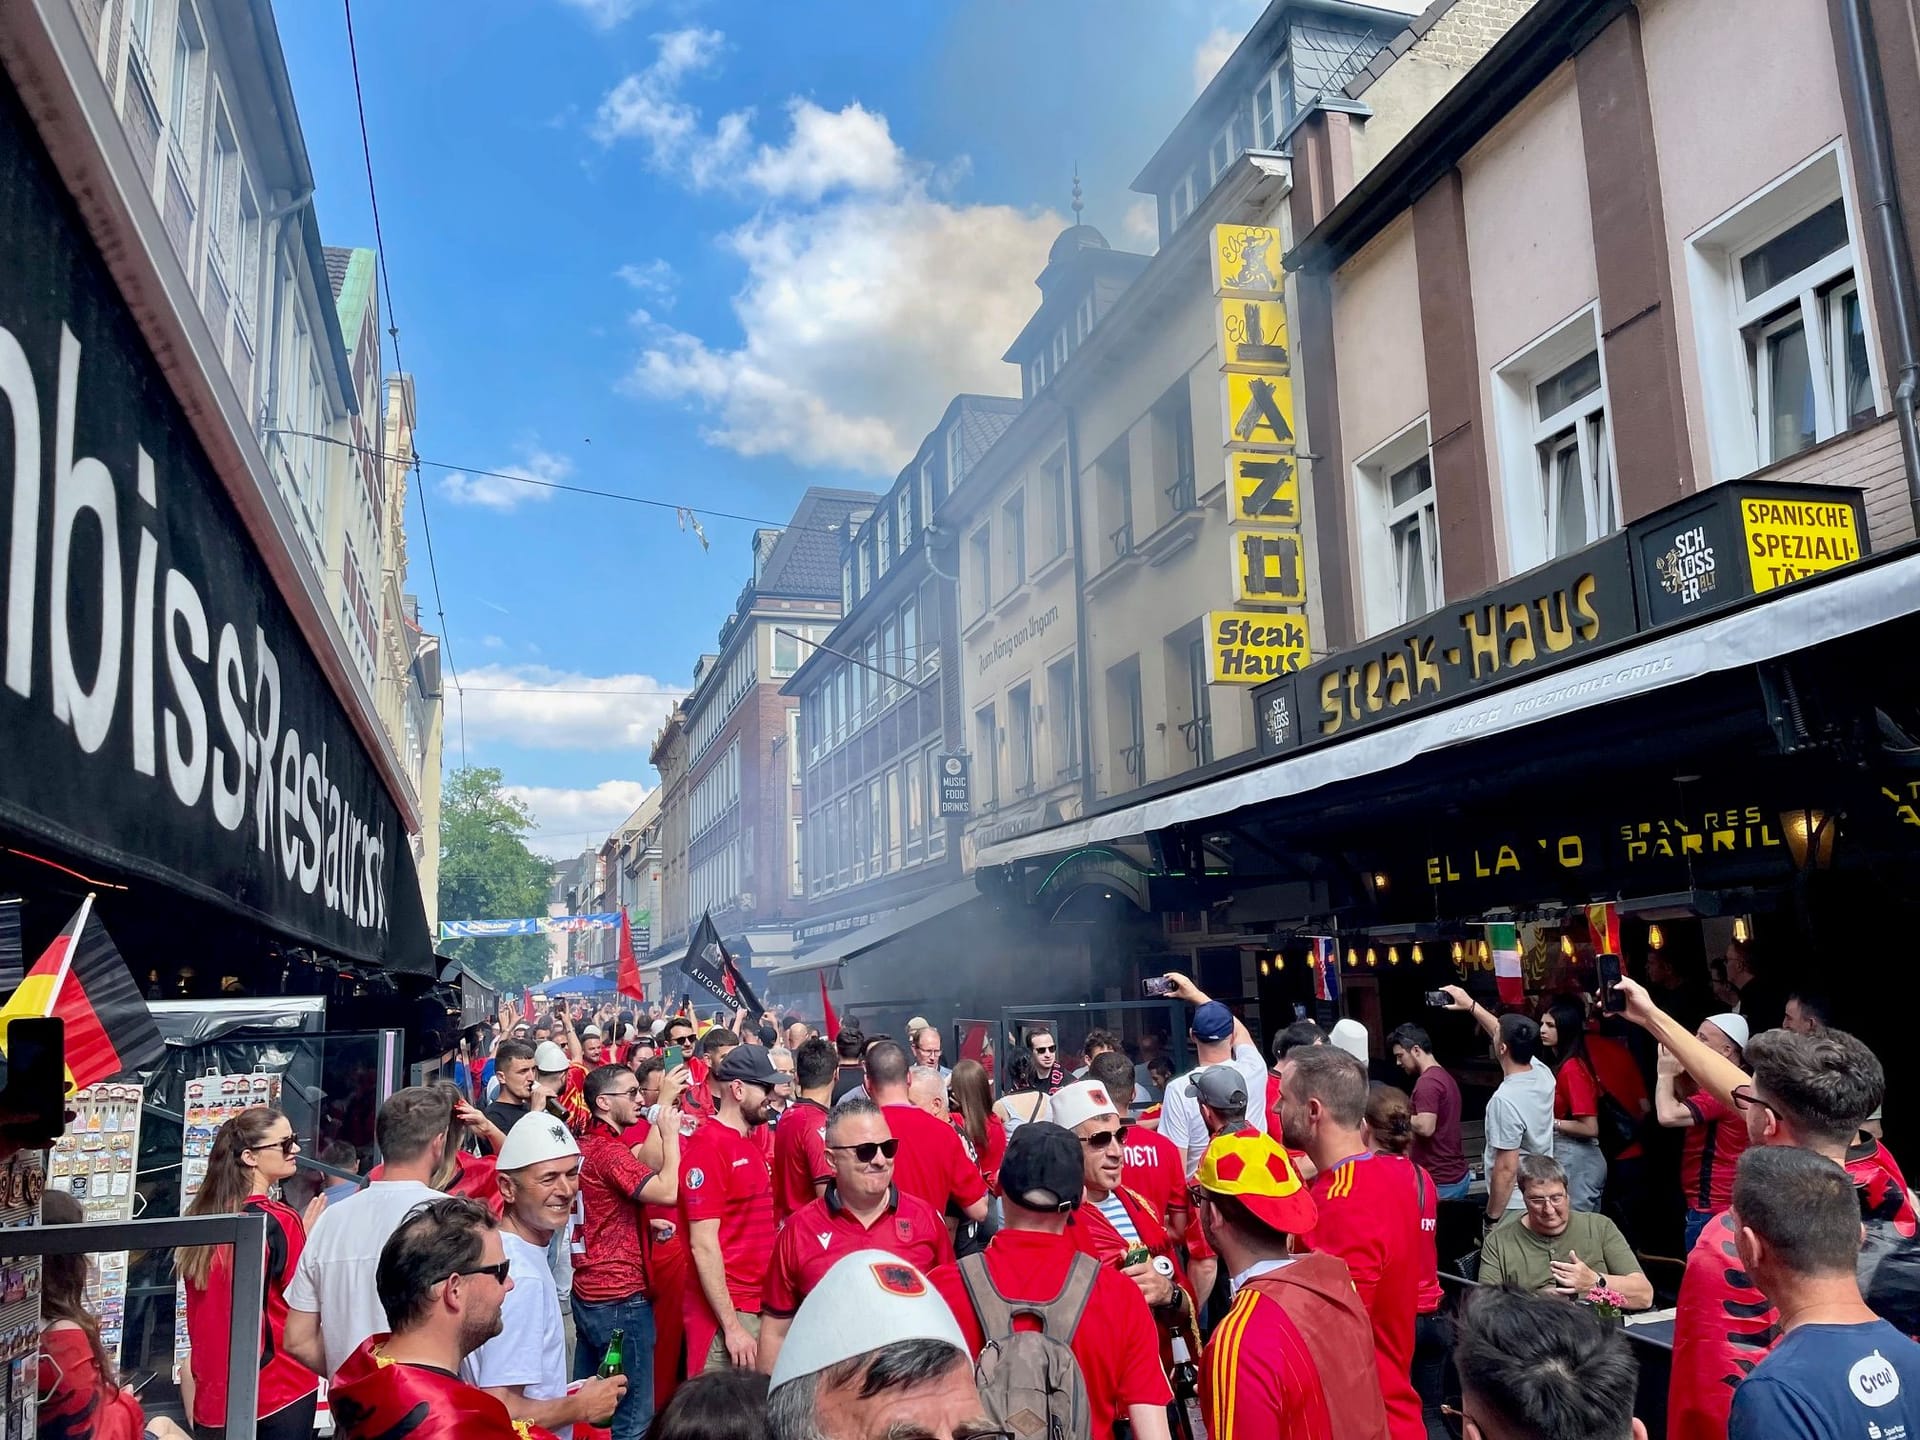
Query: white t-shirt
{"x":531,"y":1348}
{"x":1180,"y":1118}
{"x":336,"y":1275}
{"x":1520,"y":1117}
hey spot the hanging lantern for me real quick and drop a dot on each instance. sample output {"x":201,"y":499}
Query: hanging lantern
{"x":1373,"y":959}
{"x":1655,"y":939}
{"x":1280,"y":962}
{"x":1393,"y":955}
{"x":1417,"y":956}
{"x":1353,"y":958}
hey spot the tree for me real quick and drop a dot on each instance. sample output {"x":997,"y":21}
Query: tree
{"x":487,"y":872}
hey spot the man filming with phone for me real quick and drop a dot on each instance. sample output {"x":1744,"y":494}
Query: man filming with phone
{"x":1219,"y":1039}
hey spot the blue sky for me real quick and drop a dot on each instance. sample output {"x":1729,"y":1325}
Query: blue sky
{"x":708,"y":254}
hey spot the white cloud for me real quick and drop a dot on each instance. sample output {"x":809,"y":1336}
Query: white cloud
{"x":492,"y":642}
{"x":605,"y":14}
{"x":829,"y":150}
{"x":1211,"y":54}
{"x":538,"y":707}
{"x":869,"y":299}
{"x":571,"y":820}
{"x":656,"y":279}
{"x":1140,"y":227}
{"x":492,"y":492}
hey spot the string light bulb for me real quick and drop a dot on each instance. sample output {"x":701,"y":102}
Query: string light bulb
{"x":1486,"y":953}
{"x":1373,"y":958}
{"x":1459,"y":952}
{"x":1264,"y":968}
{"x":1353,"y":958}
{"x":1393,"y":955}
{"x":1566,"y":946}
{"x":1417,"y":956}
{"x":1280,"y":962}
{"x":1656,"y":940}
{"x":1740,"y":931}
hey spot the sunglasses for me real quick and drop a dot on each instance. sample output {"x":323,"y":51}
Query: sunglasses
{"x":867,"y":1149}
{"x":1044,"y":1049}
{"x":1101,"y":1139}
{"x":285,"y":1147}
{"x":619,"y":1094}
{"x":498,"y":1272}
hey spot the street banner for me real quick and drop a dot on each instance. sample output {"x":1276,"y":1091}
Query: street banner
{"x":710,"y":967}
{"x":532,"y":925}
{"x":1325,"y":963}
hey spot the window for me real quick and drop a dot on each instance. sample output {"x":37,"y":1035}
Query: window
{"x":1400,"y":561}
{"x":915,"y":783}
{"x":956,"y":459}
{"x":986,"y":758}
{"x":926,"y":492}
{"x":787,"y":652}
{"x":1414,"y":528}
{"x":1172,"y":432}
{"x":876,"y":825}
{"x":866,"y":567}
{"x":1020,"y":738}
{"x":793,"y":747}
{"x":903,"y":528}
{"x":221,"y":204}
{"x":1083,"y":318}
{"x":1786,"y":360}
{"x":1268,"y":110}
{"x":1013,"y":542}
{"x":930,"y":629}
{"x":979,"y":570}
{"x":846,"y":584}
{"x":1063,"y":736}
{"x":883,"y":542}
{"x":896,"y":817}
{"x":890,"y":656}
{"x":1126,"y":721}
{"x":910,"y":638}
{"x":143,"y":11}
{"x":1570,"y":443}
{"x":1180,"y":201}
{"x":1053,"y":495}
{"x":1060,"y":351}
{"x":876,"y":662}
{"x":1115,"y":472}
{"x":183,"y":84}
{"x":796,"y":857}
{"x":1198,"y":731}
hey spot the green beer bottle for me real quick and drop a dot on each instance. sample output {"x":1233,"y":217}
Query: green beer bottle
{"x":615,"y":1361}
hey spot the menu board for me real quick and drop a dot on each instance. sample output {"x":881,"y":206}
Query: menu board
{"x":21,"y":1181}
{"x":94,"y":1163}
{"x":211,"y":1101}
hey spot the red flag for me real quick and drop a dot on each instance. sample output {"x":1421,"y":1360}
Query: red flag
{"x":829,"y":1019}
{"x":526,"y":1004}
{"x":628,"y":980}
{"x":82,"y":979}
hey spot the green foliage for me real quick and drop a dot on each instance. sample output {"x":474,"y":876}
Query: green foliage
{"x":488,"y":873}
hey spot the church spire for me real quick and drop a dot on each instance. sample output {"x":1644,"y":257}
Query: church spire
{"x":1077,"y":205}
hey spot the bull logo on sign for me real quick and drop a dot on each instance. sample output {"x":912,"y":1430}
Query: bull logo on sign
{"x":1245,"y":261}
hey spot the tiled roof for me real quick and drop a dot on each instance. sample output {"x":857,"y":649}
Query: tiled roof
{"x":983,"y":419}
{"x":806,"y":558}
{"x":339,"y":257}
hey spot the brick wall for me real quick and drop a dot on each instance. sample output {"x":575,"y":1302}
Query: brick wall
{"x":1460,"y":33}
{"x":1869,"y":459}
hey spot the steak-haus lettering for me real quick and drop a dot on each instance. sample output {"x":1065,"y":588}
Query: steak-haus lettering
{"x":1494,"y":639}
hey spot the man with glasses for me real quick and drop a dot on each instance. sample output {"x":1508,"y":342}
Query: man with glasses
{"x":1113,"y":1223}
{"x":1048,"y":1076}
{"x":926,"y":1050}
{"x":1810,"y":1091}
{"x":1028,"y":1263}
{"x":610,"y":1289}
{"x":1549,"y":1248}
{"x":442,"y":1280}
{"x":726,"y":1209}
{"x":525,"y":1366}
{"x":861,"y":1210}
{"x":933,"y":1162}
{"x":1280,"y":1365}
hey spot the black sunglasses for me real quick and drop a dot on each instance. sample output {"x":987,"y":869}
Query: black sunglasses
{"x":867,"y":1149}
{"x":1101,"y":1139}
{"x":285,"y":1147}
{"x":499,"y":1272}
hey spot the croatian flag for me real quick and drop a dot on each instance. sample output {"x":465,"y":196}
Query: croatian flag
{"x":1325,"y":962}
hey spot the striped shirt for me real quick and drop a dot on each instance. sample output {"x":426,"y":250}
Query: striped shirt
{"x":1116,"y":1214}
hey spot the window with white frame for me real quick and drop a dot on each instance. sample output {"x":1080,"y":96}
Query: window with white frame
{"x":883,"y":542}
{"x":956,"y":459}
{"x":1053,"y":495}
{"x":1550,"y":409}
{"x":980,"y":570}
{"x":1180,"y":201}
{"x":1785,"y":350}
{"x":1269,"y":107}
{"x":1400,"y":557}
{"x":1013,"y":542}
{"x":183,"y":97}
{"x":866,"y":567}
{"x":903,"y":526}
{"x":926,"y":492}
{"x":986,"y":758}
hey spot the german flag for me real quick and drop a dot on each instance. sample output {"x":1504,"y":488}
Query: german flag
{"x":82,"y":979}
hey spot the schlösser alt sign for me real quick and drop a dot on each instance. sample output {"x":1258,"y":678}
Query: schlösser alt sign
{"x":159,"y":706}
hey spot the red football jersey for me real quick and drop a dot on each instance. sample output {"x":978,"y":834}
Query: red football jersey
{"x":932,"y":1162}
{"x":1155,"y":1170}
{"x":1710,"y":1153}
{"x":824,"y":1231}
{"x":724,"y":1176}
{"x":799,"y":1157}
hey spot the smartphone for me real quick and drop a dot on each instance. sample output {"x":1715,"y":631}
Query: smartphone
{"x":34,"y":1100}
{"x":675,"y":1055}
{"x":1158,"y":986}
{"x":1611,"y":1000}
{"x":1439,"y":999}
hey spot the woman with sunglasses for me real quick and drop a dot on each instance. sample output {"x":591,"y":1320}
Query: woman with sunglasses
{"x":252,"y":1153}
{"x":970,"y":1098}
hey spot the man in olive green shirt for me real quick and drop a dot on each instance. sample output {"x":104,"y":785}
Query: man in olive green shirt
{"x":1550,"y":1248}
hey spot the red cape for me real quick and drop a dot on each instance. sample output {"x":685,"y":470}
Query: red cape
{"x":373,"y":1398}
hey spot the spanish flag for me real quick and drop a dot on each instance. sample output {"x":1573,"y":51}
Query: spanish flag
{"x":82,"y":979}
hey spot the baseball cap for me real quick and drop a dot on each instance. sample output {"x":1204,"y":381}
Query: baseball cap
{"x":590,"y":1030}
{"x":1256,"y":1171}
{"x":1082,"y":1100}
{"x":916,"y":1024}
{"x":1042,"y":1169}
{"x":868,"y":1300}
{"x":750,"y":1063}
{"x":1350,"y":1036}
{"x":549,"y":1058}
{"x":1733,"y":1026}
{"x":535,"y":1138}
{"x":1212,"y":1021}
{"x":1221,"y":1086}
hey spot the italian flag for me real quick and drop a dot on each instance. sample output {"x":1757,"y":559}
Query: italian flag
{"x":1504,"y":942}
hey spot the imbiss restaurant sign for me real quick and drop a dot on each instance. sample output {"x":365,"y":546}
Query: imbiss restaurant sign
{"x":1727,"y":544}
{"x":158,"y":706}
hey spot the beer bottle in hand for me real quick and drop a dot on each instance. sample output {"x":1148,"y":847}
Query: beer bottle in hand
{"x":614,"y":1363}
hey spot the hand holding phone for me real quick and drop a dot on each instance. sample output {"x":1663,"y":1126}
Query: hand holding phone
{"x":1612,"y":1001}
{"x":1158,"y":986}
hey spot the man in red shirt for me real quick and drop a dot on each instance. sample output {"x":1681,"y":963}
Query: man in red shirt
{"x":933,"y":1162}
{"x":609,"y":1281}
{"x":861,"y":1210}
{"x":800,"y":1166}
{"x":1813,"y":1091}
{"x":1029,"y":1260}
{"x":1151,"y":1165}
{"x":726,"y":1208}
{"x":1369,"y":1213}
{"x":1716,"y":1132}
{"x":1279,"y":1366}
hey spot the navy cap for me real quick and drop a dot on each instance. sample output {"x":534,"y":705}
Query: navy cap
{"x":1212,"y":1021}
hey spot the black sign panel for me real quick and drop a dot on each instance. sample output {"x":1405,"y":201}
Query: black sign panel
{"x":1544,"y":619}
{"x":159,"y":708}
{"x":1276,"y":714}
{"x":955,"y":794}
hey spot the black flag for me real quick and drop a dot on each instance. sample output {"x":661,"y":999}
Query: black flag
{"x":710,"y":967}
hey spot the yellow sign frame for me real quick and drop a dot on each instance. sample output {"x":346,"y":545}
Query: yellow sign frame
{"x":1272,"y":642}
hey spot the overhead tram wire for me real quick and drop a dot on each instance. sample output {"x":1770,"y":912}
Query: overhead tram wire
{"x":393,"y":332}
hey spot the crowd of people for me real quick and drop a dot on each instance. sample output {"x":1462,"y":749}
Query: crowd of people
{"x":644,"y":1225}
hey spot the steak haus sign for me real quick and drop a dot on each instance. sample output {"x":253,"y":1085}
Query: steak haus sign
{"x":159,"y":707}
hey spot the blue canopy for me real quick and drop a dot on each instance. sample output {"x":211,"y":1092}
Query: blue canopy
{"x":578,"y":985}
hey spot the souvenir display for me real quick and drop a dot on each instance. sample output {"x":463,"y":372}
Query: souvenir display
{"x":94,"y":1163}
{"x":21,"y":1182}
{"x":211,"y":1101}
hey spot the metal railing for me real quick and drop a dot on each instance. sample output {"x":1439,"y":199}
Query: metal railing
{"x":245,"y":1232}
{"x":1181,"y":494}
{"x":1198,"y":733}
{"x":1134,"y":757}
{"x":1122,"y":541}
